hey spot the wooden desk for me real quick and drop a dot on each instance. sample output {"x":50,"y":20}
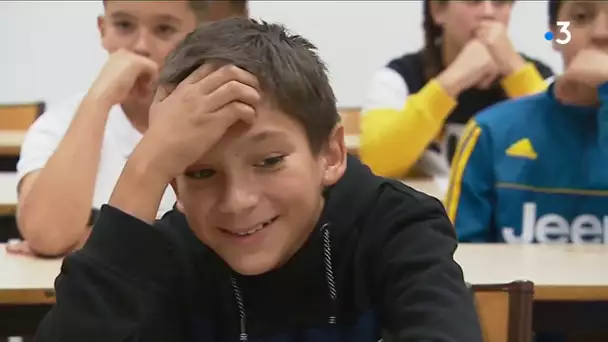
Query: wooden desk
{"x":8,"y":193}
{"x":559,"y":272}
{"x":10,"y":142}
{"x":563,"y":274}
{"x":26,"y":280}
{"x":352,"y":142}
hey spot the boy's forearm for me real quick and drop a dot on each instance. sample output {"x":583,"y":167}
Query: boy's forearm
{"x":54,"y":212}
{"x":140,"y":188}
{"x":121,"y":286}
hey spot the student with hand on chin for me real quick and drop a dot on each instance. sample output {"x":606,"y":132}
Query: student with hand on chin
{"x":418,"y":105}
{"x":533,"y":170}
{"x":74,"y":153}
{"x":280,"y":235}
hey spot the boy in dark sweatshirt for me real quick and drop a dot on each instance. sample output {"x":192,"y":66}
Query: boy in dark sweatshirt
{"x":278,"y":234}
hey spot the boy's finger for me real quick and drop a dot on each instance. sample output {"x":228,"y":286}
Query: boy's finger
{"x":232,"y":91}
{"x":200,"y":73}
{"x":236,"y":111}
{"x":161,"y":93}
{"x":225,"y":75}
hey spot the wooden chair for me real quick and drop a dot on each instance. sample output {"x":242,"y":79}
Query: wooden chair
{"x":350,"y":120}
{"x":15,"y":119}
{"x":505,"y":311}
{"x":19,"y":117}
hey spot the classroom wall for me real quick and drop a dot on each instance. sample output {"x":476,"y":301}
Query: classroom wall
{"x":50,"y":50}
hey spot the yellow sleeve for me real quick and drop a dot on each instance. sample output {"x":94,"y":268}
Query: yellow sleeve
{"x":393,"y":140}
{"x":525,"y":81}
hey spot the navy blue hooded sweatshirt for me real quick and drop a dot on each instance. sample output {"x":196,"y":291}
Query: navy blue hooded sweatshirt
{"x":379,"y":264}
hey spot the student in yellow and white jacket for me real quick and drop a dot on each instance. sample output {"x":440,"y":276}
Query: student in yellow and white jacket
{"x":418,"y":105}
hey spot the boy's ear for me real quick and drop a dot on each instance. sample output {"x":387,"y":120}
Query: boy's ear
{"x":101,"y":27}
{"x":173,"y":184}
{"x":334,"y":157}
{"x":437,"y":11}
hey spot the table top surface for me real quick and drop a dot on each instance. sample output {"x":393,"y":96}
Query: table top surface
{"x":545,"y":265}
{"x":351,"y":142}
{"x":560,"y":266}
{"x":11,"y":138}
{"x":8,"y":188}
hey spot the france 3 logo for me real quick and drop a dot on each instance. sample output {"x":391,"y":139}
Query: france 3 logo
{"x":564,"y":35}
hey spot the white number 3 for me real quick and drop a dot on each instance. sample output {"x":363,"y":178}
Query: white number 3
{"x":563,"y":28}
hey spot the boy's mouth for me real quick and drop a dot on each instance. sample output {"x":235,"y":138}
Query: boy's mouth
{"x":255,"y":229}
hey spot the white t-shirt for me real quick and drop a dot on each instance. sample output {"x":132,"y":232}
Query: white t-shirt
{"x":120,"y":138}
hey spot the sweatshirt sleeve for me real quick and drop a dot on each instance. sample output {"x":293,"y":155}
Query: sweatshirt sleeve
{"x":397,"y":127}
{"x":468,"y":201}
{"x":117,"y":288}
{"x":526,"y":81}
{"x":424,"y":295}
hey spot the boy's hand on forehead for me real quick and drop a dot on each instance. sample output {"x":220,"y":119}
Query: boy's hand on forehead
{"x":187,"y":121}
{"x":124,"y":74}
{"x":495,"y":36}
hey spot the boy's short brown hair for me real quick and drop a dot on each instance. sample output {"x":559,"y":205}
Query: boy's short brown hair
{"x":554,"y":6}
{"x":287,"y":66}
{"x":201,"y":8}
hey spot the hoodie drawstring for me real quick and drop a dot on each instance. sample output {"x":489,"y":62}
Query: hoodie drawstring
{"x":241,"y":307}
{"x":329,"y":272}
{"x":329,"y":277}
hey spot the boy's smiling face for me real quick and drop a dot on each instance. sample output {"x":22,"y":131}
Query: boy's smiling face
{"x":256,"y":195}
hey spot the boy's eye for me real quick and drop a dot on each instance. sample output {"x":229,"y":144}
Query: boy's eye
{"x":271,"y":162}
{"x":580,"y":16}
{"x":165,"y":30}
{"x":123,"y":25}
{"x":581,"y":13}
{"x":200,"y":174}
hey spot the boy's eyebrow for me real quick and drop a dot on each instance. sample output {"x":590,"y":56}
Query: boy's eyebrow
{"x":161,"y":17}
{"x":267,"y":134}
{"x":168,"y":18}
{"x":121,"y":14}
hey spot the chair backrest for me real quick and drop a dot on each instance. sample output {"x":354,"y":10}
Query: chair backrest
{"x":350,"y":120}
{"x":505,"y":311}
{"x":19,"y":117}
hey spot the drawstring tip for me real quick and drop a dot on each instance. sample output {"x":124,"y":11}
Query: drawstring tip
{"x":332,"y":320}
{"x":243,"y":337}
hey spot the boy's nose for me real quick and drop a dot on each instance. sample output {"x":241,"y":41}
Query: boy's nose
{"x":238,"y":198}
{"x":488,"y":9}
{"x":143,"y":44}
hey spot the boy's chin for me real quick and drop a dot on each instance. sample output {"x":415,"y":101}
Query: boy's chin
{"x":252,"y":265}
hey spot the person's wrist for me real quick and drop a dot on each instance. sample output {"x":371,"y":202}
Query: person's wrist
{"x":140,"y":187}
{"x":513,"y":65}
{"x":451,"y":82}
{"x":146,"y":161}
{"x":100,"y":99}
